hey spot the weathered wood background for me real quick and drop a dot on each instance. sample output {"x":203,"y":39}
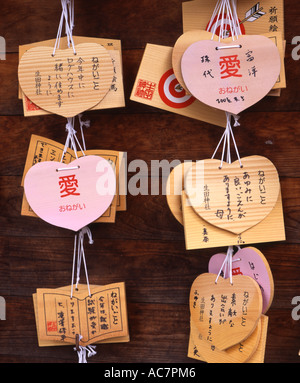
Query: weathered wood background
{"x":145,"y":247}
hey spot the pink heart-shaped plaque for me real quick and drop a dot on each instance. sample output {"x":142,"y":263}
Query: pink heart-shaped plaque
{"x":252,"y":263}
{"x":71,"y":196}
{"x":231,"y":76}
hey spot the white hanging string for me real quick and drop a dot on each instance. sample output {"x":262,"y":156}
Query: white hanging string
{"x":82,"y":124}
{"x":85,"y":352}
{"x":214,"y":15}
{"x":227,"y":264}
{"x":67,"y":17}
{"x":220,"y":5}
{"x":225,"y":139}
{"x":79,"y":258}
{"x":229,"y":9}
{"x":227,"y":135}
{"x":72,"y":140}
{"x":235,"y":17}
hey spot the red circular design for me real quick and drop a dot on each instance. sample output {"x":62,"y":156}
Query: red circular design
{"x":171,"y":91}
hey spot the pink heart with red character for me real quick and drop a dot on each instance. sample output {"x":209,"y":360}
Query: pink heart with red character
{"x":71,"y":196}
{"x":231,"y":76}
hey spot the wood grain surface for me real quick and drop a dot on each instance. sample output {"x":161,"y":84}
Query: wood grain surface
{"x":145,"y":248}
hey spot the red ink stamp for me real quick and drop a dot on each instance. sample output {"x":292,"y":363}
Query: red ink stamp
{"x":145,"y":89}
{"x":51,"y":326}
{"x":30,"y":106}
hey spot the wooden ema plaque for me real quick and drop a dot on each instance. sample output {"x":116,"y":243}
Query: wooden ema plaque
{"x":99,"y":318}
{"x":191,"y":37}
{"x":115,"y":97}
{"x":232,"y":197}
{"x":65,"y":83}
{"x":198,"y":348}
{"x":42,"y":149}
{"x":201,"y":234}
{"x":231,"y":76}
{"x":224,"y":313}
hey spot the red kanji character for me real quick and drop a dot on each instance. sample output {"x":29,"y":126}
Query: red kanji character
{"x":68,"y":186}
{"x":230,"y":66}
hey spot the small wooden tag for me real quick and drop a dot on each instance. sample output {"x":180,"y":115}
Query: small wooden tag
{"x":66,"y":84}
{"x":98,"y":318}
{"x":233,"y":198}
{"x":225,"y":314}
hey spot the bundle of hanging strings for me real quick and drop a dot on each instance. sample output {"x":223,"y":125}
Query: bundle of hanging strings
{"x":67,"y":18}
{"x":83,"y":352}
{"x":226,"y":140}
{"x":227,"y":21}
{"x":226,"y":14}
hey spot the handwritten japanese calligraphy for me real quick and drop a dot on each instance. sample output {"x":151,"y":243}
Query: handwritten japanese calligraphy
{"x":233,"y":197}
{"x":64,"y":83}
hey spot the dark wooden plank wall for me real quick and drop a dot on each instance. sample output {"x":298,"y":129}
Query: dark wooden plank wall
{"x":145,"y":247}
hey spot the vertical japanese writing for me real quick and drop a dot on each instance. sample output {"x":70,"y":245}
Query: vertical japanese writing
{"x":205,"y":235}
{"x":48,"y":91}
{"x":73,"y":317}
{"x":115,"y":79}
{"x":206,"y":197}
{"x":70,"y":77}
{"x":38,"y":83}
{"x":262,"y":187}
{"x":114,"y":306}
{"x":222,"y":312}
{"x":61,"y":320}
{"x":245,"y":308}
{"x":202,"y":308}
{"x":226,"y":181}
{"x":196,"y":297}
{"x":103,"y":313}
{"x":255,"y":274}
{"x":58,"y":69}
{"x":210,"y":318}
{"x":95,"y":71}
{"x":80,"y":71}
{"x":273,"y":19}
{"x":92,"y":316}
